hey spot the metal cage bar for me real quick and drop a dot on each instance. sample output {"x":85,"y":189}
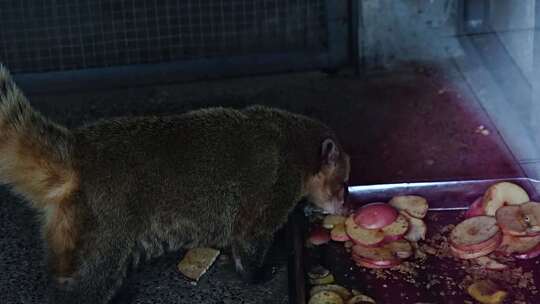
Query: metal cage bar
{"x":63,"y":44}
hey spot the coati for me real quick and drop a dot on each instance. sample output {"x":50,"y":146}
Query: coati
{"x":121,"y":190}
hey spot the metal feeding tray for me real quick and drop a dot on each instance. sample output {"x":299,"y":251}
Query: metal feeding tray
{"x":438,"y":278}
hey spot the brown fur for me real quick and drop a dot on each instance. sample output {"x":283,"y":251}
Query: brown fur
{"x":118,"y":191}
{"x":62,"y":235}
{"x":37,"y":169}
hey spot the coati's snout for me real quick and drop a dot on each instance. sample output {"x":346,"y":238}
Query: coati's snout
{"x":327,"y":189}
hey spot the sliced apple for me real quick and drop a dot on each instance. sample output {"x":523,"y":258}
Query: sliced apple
{"x":342,"y":291}
{"x":419,"y":253}
{"x":514,"y":244}
{"x":332,"y":220}
{"x":386,"y":254}
{"x":375,"y":216}
{"x":417,"y":228}
{"x":376,"y":245}
{"x":487,"y":292}
{"x":531,"y":215}
{"x":375,"y":263}
{"x":339,"y":234}
{"x":476,"y":209}
{"x":318,"y":272}
{"x":511,"y":220}
{"x":525,"y":247}
{"x":414,"y":205}
{"x":319,"y":236}
{"x":477,"y":252}
{"x":474,"y":233}
{"x":367,"y":264}
{"x":380,"y":255}
{"x":326,"y":297}
{"x":503,"y":193}
{"x":363,"y":236}
{"x":402,"y":249}
{"x":329,"y":279}
{"x":530,"y":254}
{"x":361,"y":299}
{"x":397,"y":229}
{"x":490,"y":263}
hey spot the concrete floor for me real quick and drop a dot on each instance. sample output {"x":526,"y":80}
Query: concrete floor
{"x":409,"y":124}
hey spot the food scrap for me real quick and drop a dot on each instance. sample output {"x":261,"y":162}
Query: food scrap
{"x":320,"y":275}
{"x":197,"y":261}
{"x":502,"y":221}
{"x":477,"y":257}
{"x":487,"y":292}
{"x":326,"y":297}
{"x":331,"y":293}
{"x":383,"y":233}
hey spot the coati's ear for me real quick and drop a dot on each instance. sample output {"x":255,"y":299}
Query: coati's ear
{"x":329,"y":153}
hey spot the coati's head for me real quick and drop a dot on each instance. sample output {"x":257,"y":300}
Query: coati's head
{"x":328,"y":187}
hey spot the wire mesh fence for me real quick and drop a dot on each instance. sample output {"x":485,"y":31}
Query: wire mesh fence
{"x":60,"y":35}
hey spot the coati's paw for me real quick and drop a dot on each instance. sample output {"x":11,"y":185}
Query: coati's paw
{"x":254,"y":275}
{"x":238,"y":264}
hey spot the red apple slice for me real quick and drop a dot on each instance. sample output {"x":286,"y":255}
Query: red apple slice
{"x":342,"y":291}
{"x":390,"y":238}
{"x":319,"y":236}
{"x":402,"y":249}
{"x":414,"y":205}
{"x":473,"y":254}
{"x":490,"y":263}
{"x":531,"y":215}
{"x":487,"y":292}
{"x":518,"y":245}
{"x":511,"y":220}
{"x":503,"y":193}
{"x":397,"y":229}
{"x":417,"y":228}
{"x":386,"y":240}
{"x":379,"y":254}
{"x":360,"y":299}
{"x":375,"y":263}
{"x":474,"y":233}
{"x":366,"y":264}
{"x":376,"y":245}
{"x":357,"y":258}
{"x":339,"y":234}
{"x":375,"y":216}
{"x":332,"y":220}
{"x":363,"y":236}
{"x":476,"y":209}
{"x":385,"y":254}
{"x":530,"y":254}
{"x":326,"y":297}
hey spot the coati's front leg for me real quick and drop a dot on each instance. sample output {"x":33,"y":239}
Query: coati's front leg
{"x":250,"y":255}
{"x":254,"y":234}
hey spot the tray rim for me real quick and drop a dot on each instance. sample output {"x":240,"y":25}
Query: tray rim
{"x":360,"y":188}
